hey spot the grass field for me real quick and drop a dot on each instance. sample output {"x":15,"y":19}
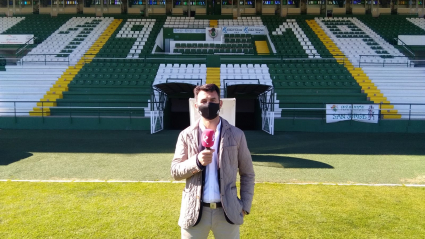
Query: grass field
{"x":150,"y":210}
{"x":284,"y":157}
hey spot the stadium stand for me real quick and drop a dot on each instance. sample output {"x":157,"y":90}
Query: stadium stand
{"x":403,"y":86}
{"x":313,"y":83}
{"x":180,"y":72}
{"x":101,"y":66}
{"x":135,"y":38}
{"x":186,"y":22}
{"x":317,"y":44}
{"x":22,"y":87}
{"x":69,"y":42}
{"x":251,"y":73}
{"x":355,"y":39}
{"x":290,"y":40}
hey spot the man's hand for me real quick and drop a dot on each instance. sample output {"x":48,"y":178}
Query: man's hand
{"x":205,"y":156}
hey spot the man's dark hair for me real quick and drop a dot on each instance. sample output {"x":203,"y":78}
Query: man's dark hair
{"x":207,"y":88}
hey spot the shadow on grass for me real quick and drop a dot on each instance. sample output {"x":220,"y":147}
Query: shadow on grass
{"x":287,"y":162}
{"x":15,"y":144}
{"x":9,"y":157}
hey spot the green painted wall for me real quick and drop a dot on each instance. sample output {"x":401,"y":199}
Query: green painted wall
{"x":301,"y":125}
{"x":75,"y":123}
{"x":305,"y":125}
{"x":168,"y":33}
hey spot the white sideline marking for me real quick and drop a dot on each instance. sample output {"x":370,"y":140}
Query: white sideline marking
{"x":122,"y":181}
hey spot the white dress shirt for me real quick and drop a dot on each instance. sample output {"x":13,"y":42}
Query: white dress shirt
{"x":211,"y":191}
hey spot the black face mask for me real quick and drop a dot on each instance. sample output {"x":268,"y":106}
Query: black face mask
{"x":209,"y":111}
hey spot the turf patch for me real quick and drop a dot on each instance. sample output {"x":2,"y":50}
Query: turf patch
{"x":147,"y":210}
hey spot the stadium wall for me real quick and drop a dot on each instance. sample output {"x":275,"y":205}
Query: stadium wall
{"x":76,"y":123}
{"x":287,"y":125}
{"x":320,"y":125}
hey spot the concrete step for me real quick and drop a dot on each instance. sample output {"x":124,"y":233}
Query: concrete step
{"x":27,"y":82}
{"x":24,"y":89}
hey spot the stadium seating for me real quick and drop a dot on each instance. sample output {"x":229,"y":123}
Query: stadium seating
{"x":41,"y":26}
{"x":241,"y":21}
{"x":311,"y":84}
{"x":23,"y":86}
{"x":317,"y":44}
{"x":389,"y":27}
{"x":69,"y":42}
{"x":191,"y":22}
{"x":290,"y":40}
{"x":134,"y":39}
{"x":211,"y":48}
{"x":420,"y":22}
{"x":186,"y":22}
{"x":402,"y":86}
{"x":112,"y":81}
{"x":358,"y":42}
{"x":8,"y":22}
{"x":251,"y":73}
{"x":108,"y":83}
{"x":181,"y":73}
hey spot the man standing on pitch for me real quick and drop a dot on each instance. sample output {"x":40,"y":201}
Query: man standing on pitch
{"x":210,"y":200}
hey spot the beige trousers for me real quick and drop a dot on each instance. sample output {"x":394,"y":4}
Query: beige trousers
{"x":212,"y":220}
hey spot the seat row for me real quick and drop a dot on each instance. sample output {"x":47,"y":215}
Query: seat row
{"x":311,"y":77}
{"x":308,"y":84}
{"x":420,"y":22}
{"x":113,"y":82}
{"x":113,"y":76}
{"x":8,"y":22}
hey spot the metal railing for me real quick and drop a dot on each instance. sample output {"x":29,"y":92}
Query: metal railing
{"x":383,"y":60}
{"x":22,"y":61}
{"x":309,"y":110}
{"x":98,"y":109}
{"x":156,"y":106}
{"x":26,"y":44}
{"x":386,"y":61}
{"x":404,"y":45}
{"x":200,"y":59}
{"x":182,"y":59}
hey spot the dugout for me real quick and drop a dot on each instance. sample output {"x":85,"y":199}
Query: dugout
{"x":176,"y":111}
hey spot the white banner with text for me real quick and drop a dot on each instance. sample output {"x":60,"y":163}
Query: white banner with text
{"x":367,"y":113}
{"x":188,"y":31}
{"x":253,"y":30}
{"x":16,"y":39}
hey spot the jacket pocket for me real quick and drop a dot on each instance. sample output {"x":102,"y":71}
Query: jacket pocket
{"x":237,"y":200}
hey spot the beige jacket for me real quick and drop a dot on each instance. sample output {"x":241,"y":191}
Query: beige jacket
{"x":233,"y":155}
